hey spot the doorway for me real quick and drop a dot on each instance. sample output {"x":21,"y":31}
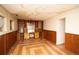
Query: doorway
{"x":61,"y":31}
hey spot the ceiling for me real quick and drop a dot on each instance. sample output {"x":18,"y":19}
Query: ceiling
{"x":37,"y":11}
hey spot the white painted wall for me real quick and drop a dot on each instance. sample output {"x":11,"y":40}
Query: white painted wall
{"x":50,"y":24}
{"x":71,"y":23}
{"x":7,"y":18}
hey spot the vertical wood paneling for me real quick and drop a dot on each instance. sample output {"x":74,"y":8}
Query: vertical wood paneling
{"x":7,"y":41}
{"x":72,"y":42}
{"x":50,"y":35}
{"x":10,"y":40}
{"x":2,"y":48}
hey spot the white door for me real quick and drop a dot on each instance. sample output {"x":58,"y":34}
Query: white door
{"x":61,"y":31}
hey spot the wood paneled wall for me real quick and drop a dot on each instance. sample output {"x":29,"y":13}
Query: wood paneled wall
{"x":50,"y":35}
{"x":7,"y":41}
{"x":72,"y":42}
{"x":2,"y":44}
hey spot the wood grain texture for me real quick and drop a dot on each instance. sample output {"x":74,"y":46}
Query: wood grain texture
{"x":2,"y":44}
{"x":72,"y":42}
{"x":39,"y":47}
{"x":7,"y":41}
{"x":50,"y":35}
{"x":11,"y":38}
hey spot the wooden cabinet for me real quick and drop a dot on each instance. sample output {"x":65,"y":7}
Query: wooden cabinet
{"x":30,"y":27}
{"x":21,"y":28}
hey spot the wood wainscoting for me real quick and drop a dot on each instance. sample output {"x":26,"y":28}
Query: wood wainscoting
{"x":50,"y":35}
{"x":2,"y":44}
{"x":7,"y":41}
{"x":72,"y":42}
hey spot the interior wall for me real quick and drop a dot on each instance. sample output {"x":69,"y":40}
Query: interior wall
{"x":7,"y":17}
{"x":71,"y":22}
{"x":50,"y":24}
